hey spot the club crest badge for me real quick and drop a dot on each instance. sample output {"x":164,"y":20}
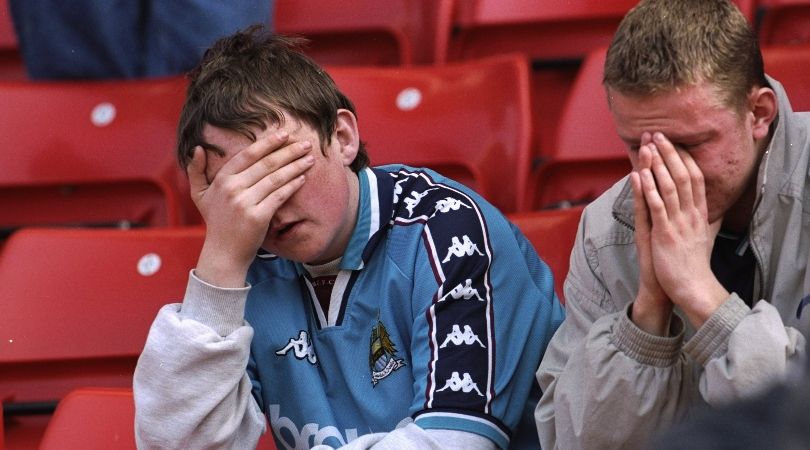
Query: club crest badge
{"x":382,"y":354}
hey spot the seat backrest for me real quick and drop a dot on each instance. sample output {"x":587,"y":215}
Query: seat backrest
{"x":76,"y":304}
{"x":367,"y":32}
{"x":92,"y":419}
{"x":790,"y":65}
{"x":586,"y":130}
{"x":588,"y":156}
{"x":554,"y":34}
{"x":551,"y":30}
{"x":92,"y":152}
{"x":8,"y":40}
{"x":468,"y":120}
{"x":783,"y":21}
{"x":748,"y":9}
{"x":552,"y":233}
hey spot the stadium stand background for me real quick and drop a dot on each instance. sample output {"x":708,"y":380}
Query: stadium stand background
{"x":517,"y":83}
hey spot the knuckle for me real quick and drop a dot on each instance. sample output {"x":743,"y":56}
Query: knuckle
{"x":667,"y":189}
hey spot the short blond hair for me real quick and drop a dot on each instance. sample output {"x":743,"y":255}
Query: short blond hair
{"x":661,"y":45}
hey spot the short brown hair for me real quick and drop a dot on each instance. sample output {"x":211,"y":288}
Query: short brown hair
{"x":246,"y":79}
{"x":664,"y":44}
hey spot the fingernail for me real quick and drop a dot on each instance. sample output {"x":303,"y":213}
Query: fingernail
{"x":282,"y":135}
{"x":306,"y":144}
{"x":309,"y":159}
{"x":658,"y":136}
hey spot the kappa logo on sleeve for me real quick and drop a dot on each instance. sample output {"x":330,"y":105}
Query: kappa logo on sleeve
{"x":459,"y":248}
{"x":468,"y":337}
{"x":448,"y":204}
{"x":416,"y":197}
{"x":465,"y":291}
{"x":465,"y":384}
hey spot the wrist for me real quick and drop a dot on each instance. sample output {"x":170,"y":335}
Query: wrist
{"x":698,"y":306}
{"x":651,"y":315}
{"x":220,"y":267}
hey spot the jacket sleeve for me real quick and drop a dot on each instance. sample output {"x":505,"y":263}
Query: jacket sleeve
{"x":606,"y":383}
{"x":191,"y":388}
{"x":744,"y":350}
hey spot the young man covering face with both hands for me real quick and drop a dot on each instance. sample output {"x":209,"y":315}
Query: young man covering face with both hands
{"x":688,"y":277}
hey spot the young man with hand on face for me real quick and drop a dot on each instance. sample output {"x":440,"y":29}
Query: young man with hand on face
{"x":689,"y":277}
{"x":346,"y":305}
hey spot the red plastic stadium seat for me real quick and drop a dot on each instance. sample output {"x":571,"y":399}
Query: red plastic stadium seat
{"x":555,"y":34}
{"x":469,"y":121}
{"x":100,"y":419}
{"x":11,"y":64}
{"x":552,"y":233}
{"x":76,"y":308}
{"x":784,"y":22}
{"x":91,"y":153}
{"x":748,"y":9}
{"x":790,"y":65}
{"x":553,"y":29}
{"x":588,"y":157}
{"x":92,"y":419}
{"x":366,"y":32}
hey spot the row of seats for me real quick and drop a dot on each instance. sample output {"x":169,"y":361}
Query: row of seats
{"x":101,"y":153}
{"x":555,"y":35}
{"x":77,"y":305}
{"x":429,"y":31}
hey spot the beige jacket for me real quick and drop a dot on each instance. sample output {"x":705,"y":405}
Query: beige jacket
{"x":607,"y":384}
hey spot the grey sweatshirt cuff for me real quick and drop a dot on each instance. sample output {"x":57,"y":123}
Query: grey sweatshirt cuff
{"x":711,"y":340}
{"x":646,"y":348}
{"x":222,"y":309}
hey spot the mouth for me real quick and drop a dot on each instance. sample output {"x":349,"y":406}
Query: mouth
{"x":282,"y":230}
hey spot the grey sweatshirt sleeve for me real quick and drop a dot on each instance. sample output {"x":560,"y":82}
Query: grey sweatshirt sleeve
{"x":191,"y":388}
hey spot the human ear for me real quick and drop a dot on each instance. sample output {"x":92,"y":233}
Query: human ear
{"x":763,"y":106}
{"x":347,"y":136}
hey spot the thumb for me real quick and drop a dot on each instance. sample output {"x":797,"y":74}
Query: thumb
{"x":196,"y":170}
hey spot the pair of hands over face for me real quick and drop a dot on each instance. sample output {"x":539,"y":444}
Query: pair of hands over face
{"x":674,"y":238}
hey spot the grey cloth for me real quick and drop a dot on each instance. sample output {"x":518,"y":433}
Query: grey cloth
{"x":192,"y":391}
{"x":608,"y":384}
